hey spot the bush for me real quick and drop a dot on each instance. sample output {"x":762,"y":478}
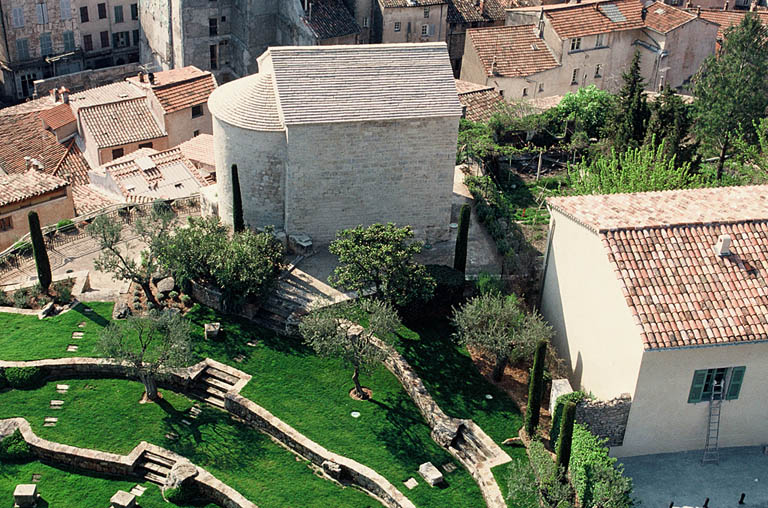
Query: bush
{"x":24,"y":377}
{"x":65,"y":224}
{"x":150,"y":306}
{"x":186,"y":299}
{"x":3,"y":380}
{"x":22,"y":247}
{"x":5,"y":301}
{"x":597,"y":478}
{"x":22,"y":298}
{"x":181,"y":494}
{"x":574,"y":397}
{"x":552,"y":491}
{"x":63,"y":291}
{"x":487,"y":283}
{"x":14,"y":449}
{"x":173,"y":295}
{"x":161,"y":297}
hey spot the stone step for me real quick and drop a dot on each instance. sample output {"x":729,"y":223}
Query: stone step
{"x":220,"y":375}
{"x":154,"y":478}
{"x":154,"y":467}
{"x":269,"y":323}
{"x":166,"y":461}
{"x":218,"y":383}
{"x":211,"y":399}
{"x":212,"y":390}
{"x":279,"y":307}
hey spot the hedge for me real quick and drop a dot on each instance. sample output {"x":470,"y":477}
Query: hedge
{"x":24,"y":377}
{"x":552,"y":491}
{"x":597,"y":478}
{"x":575,"y":397}
{"x":14,"y":449}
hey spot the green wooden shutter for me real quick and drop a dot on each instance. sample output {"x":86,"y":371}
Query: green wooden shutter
{"x":737,"y":376}
{"x":697,"y":387}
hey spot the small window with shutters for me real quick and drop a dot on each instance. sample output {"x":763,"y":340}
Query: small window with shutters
{"x":704,"y":386}
{"x":17,"y":17}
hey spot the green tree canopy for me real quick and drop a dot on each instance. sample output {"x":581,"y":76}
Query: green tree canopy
{"x":380,"y":258}
{"x":589,"y":108}
{"x":631,"y":113}
{"x":670,"y":123}
{"x":149,"y":345}
{"x":498,"y":326}
{"x":731,"y":88}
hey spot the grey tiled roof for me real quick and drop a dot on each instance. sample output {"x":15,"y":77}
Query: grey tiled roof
{"x":330,"y":19}
{"x":119,"y":123}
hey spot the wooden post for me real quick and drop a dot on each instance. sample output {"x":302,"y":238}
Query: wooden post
{"x":538,"y":169}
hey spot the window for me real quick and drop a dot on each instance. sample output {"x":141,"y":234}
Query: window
{"x":424,"y":30}
{"x":69,"y":40}
{"x":121,"y":39}
{"x":197,"y":111}
{"x":104,"y":39}
{"x":17,"y":17}
{"x":214,"y":53}
{"x":135,"y":37}
{"x":598,"y":70}
{"x":66,"y":9}
{"x":117,"y":153}
{"x":134,"y":11}
{"x":22,"y":49}
{"x":6,"y":223}
{"x":426,"y":12}
{"x":195,"y":133}
{"x":42,"y":13}
{"x":365,"y":22}
{"x":541,"y":87}
{"x":223,"y":19}
{"x":713,"y":383}
{"x":84,"y":14}
{"x":575,"y":43}
{"x":119,"y":14}
{"x":88,"y":42}
{"x":145,"y":145}
{"x":600,"y":40}
{"x":213,"y":27}
{"x":102,"y":8}
{"x":575,"y":77}
{"x":46,"y":46}
{"x":28,"y":84}
{"x":525,"y":92}
{"x":397,"y":26}
{"x":501,"y":93}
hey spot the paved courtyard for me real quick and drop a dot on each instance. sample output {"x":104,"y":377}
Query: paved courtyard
{"x":682,"y":479}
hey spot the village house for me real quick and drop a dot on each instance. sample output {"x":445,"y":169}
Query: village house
{"x":478,"y":102}
{"x":32,"y":190}
{"x":464,"y":14}
{"x":727,"y":19}
{"x":398,"y":21}
{"x":40,"y":39}
{"x":555,"y":49}
{"x":662,"y":296}
{"x":322,"y":143}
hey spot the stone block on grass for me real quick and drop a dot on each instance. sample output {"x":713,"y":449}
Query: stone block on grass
{"x":123,"y":499}
{"x":212,"y":331}
{"x":25,"y":495}
{"x":430,"y":473}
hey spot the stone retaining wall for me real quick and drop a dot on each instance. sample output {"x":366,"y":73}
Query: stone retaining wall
{"x":215,"y":299}
{"x":606,"y":418}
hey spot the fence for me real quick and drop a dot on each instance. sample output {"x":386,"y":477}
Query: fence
{"x":21,"y":252}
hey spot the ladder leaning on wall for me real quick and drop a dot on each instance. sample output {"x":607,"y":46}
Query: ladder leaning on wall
{"x":711,"y":452}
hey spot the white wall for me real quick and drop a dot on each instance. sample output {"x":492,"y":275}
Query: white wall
{"x":582,"y":300}
{"x":438,"y":14}
{"x":662,"y":420}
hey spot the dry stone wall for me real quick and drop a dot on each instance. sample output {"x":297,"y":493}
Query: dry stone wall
{"x":606,"y":418}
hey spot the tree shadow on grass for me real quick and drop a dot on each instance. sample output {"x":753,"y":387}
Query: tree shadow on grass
{"x":92,"y":315}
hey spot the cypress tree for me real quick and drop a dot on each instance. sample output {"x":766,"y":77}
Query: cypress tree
{"x":565,"y":439}
{"x":237,"y":202}
{"x":38,"y":249}
{"x":460,"y":255}
{"x":632,"y":109}
{"x":535,"y":389}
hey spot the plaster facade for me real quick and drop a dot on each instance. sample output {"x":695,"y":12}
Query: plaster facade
{"x":51,"y":208}
{"x":411,"y":24}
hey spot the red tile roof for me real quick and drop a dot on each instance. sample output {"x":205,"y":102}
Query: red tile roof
{"x":88,"y":200}
{"x":23,"y":135}
{"x":727,"y":19}
{"x":199,"y":149}
{"x":120,"y":123}
{"x":22,"y":186}
{"x":516,"y":49}
{"x":185,"y":94}
{"x":660,"y":245}
{"x":58,"y":116}
{"x":480,"y":102}
{"x":331,"y":18}
{"x":664,"y":18}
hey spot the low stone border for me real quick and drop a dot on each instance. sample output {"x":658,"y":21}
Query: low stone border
{"x":120,"y":465}
{"x":335,"y":467}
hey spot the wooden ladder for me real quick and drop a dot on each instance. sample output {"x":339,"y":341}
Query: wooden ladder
{"x":711,"y":451}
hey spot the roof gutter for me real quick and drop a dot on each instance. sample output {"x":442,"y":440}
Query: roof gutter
{"x":700,"y":346}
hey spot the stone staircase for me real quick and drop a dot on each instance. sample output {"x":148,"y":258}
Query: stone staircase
{"x":212,"y":385}
{"x":154,"y":467}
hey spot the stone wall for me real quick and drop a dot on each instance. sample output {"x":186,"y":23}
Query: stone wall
{"x":212,"y":298}
{"x":86,"y":79}
{"x":606,"y":418}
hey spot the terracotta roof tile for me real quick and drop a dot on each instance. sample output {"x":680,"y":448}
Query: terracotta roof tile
{"x":114,"y":92}
{"x":88,"y":200}
{"x":331,"y":18}
{"x":476,"y":11}
{"x":481,"y":103}
{"x":608,"y":212}
{"x":683,"y":294}
{"x":512,"y":47}
{"x":24,"y":135}
{"x":199,"y":149}
{"x":467,"y":86}
{"x":58,"y":116}
{"x":664,"y":18}
{"x":120,"y":123}
{"x":727,"y":19}
{"x":185,"y":94}
{"x":21,"y":186}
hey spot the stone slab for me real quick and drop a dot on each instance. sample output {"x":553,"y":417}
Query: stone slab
{"x":25,"y":495}
{"x":430,"y":473}
{"x":72,"y":348}
{"x":411,"y":483}
{"x":123,"y":499}
{"x":559,"y":387}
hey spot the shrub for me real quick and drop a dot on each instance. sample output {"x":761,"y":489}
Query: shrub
{"x":487,"y":283}
{"x":43,"y":300}
{"x":5,"y":301}
{"x":185,"y":299}
{"x":3,"y":380}
{"x":460,"y":254}
{"x":574,"y":397}
{"x":39,"y":250}
{"x":65,"y":224}
{"x":14,"y":449}
{"x":22,"y":298}
{"x":598,"y":480}
{"x":151,"y":306}
{"x":535,"y":389}
{"x":554,"y":492}
{"x":22,"y":247}
{"x":173,"y":295}
{"x":181,"y":494}
{"x":564,"y":442}
{"x":63,"y":291}
{"x":161,"y":297}
{"x":24,"y":377}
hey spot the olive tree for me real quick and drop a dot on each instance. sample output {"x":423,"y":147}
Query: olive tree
{"x":148,"y":345}
{"x":498,"y":326}
{"x":332,"y":332}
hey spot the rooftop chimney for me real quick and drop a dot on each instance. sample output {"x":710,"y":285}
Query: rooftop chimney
{"x":644,"y":13}
{"x":64,"y":95}
{"x":725,"y":5}
{"x":698,"y":11}
{"x":27,"y":162}
{"x":141,"y":76}
{"x":494,"y":67}
{"x":152,"y":78}
{"x":723,"y":245}
{"x":55,"y":94}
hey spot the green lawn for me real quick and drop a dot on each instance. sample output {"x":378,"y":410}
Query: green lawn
{"x":62,"y":489}
{"x":105,"y":414}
